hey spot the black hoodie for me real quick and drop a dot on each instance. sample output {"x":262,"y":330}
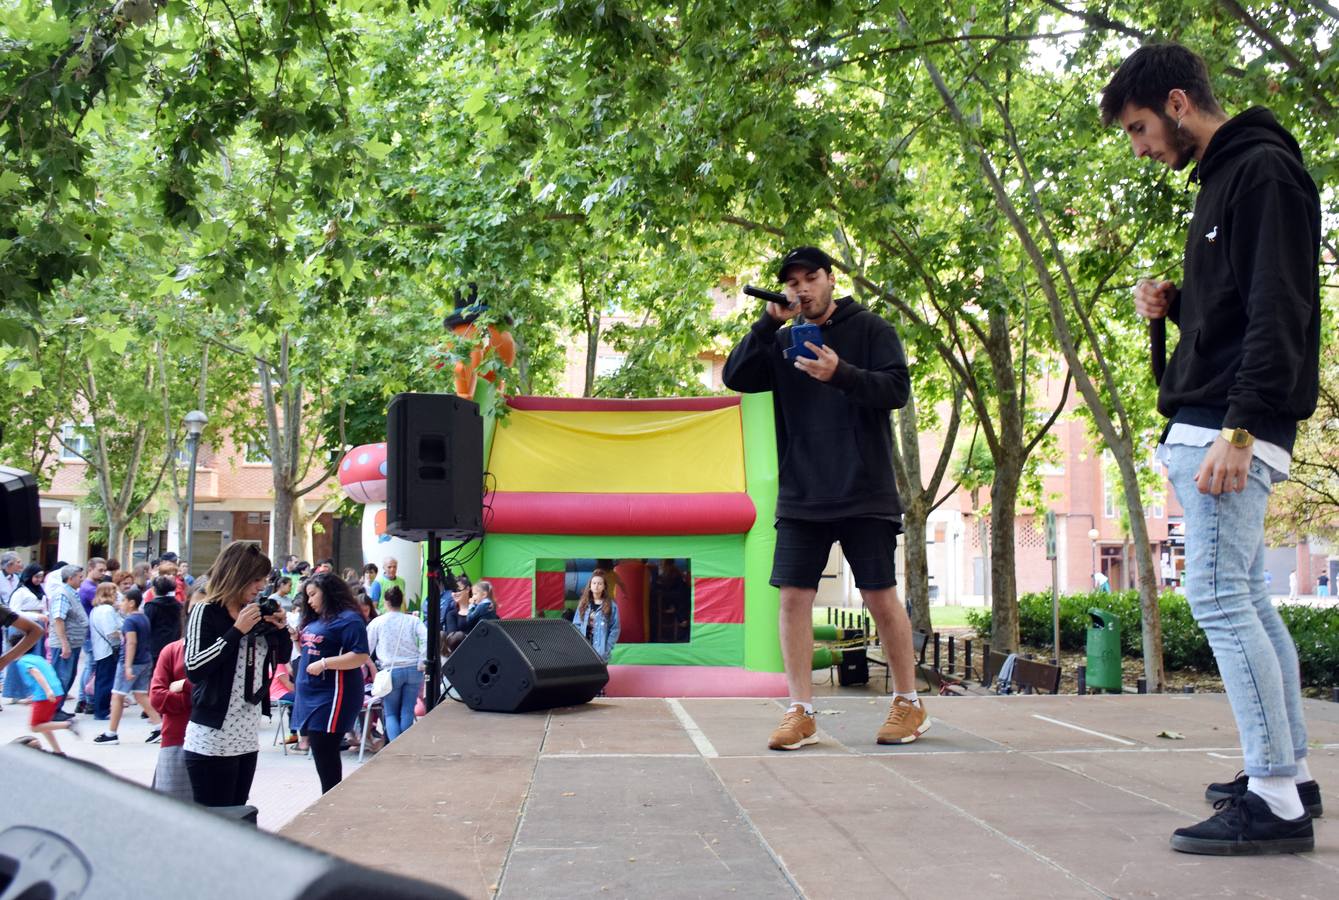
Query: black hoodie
{"x":1249,"y":305}
{"x":164,"y":615}
{"x":834,"y":441}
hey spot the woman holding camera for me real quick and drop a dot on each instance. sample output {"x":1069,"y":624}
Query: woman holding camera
{"x":232,"y":647}
{"x":329,"y":697}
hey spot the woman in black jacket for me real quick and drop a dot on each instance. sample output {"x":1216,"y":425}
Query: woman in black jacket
{"x":231,"y":654}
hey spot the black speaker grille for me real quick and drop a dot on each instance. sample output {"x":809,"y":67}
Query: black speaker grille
{"x":557,"y":652}
{"x":518,"y":665}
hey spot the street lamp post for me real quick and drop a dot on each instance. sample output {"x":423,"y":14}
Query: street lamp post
{"x":1093,"y":535}
{"x":195,"y":423}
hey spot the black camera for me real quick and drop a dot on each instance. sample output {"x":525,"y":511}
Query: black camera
{"x":268,"y":607}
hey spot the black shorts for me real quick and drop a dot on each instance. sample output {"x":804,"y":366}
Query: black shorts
{"x":869,"y":545}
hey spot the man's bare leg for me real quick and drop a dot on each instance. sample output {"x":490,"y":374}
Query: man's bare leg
{"x":907,"y":719}
{"x":894,"y":634}
{"x":797,"y":641}
{"x":796,"y":624}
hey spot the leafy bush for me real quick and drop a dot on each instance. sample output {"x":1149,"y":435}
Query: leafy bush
{"x":1316,"y":633}
{"x":1184,"y":646}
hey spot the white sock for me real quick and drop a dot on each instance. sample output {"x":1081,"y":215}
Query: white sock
{"x":909,"y":696}
{"x":807,"y":707}
{"x":1280,"y":792}
{"x":1303,"y":772}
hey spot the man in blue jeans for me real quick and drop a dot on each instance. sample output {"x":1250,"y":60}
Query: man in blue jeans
{"x":1244,"y":373}
{"x":69,"y":627}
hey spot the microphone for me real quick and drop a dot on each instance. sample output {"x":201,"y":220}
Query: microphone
{"x":770,"y":296}
{"x":1157,"y":335}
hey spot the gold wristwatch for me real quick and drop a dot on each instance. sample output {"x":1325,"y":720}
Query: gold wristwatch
{"x":1237,"y":437}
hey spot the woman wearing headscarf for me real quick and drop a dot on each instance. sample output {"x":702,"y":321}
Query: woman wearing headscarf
{"x":29,"y":601}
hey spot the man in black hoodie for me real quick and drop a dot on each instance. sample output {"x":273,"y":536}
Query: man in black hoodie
{"x":1244,"y":373}
{"x":834,"y":444}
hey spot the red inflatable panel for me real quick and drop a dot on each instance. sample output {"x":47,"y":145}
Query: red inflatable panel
{"x":591,"y":404}
{"x":512,"y":596}
{"x":718,"y":600}
{"x":519,"y":512}
{"x":549,"y":589}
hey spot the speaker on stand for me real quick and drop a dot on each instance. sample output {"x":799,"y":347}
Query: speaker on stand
{"x":520,"y":665}
{"x":434,"y":490}
{"x":434,"y":467}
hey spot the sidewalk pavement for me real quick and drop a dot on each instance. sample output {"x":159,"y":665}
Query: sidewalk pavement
{"x":284,"y":785}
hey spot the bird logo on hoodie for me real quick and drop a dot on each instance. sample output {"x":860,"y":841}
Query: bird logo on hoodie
{"x":1212,"y":236}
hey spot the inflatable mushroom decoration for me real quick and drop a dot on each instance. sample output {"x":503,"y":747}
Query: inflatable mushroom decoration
{"x":362,"y":474}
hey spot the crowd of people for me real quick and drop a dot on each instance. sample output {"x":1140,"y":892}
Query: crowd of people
{"x":206,"y":658}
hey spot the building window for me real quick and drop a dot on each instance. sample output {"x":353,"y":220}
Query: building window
{"x":257,"y":454}
{"x":74,"y":442}
{"x":1109,"y":485}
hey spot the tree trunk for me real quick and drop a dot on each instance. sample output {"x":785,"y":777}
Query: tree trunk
{"x":303,"y":526}
{"x":592,"y":354}
{"x":590,"y":317}
{"x":281,"y":522}
{"x":116,"y":529}
{"x":1155,"y":672}
{"x":916,"y":578}
{"x":916,"y":509}
{"x":1003,"y":578}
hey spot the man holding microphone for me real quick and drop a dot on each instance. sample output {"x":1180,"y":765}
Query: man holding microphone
{"x":1244,"y":373}
{"x":832,"y":397}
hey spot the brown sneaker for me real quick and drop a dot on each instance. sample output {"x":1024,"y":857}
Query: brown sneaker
{"x":906,"y":721}
{"x":797,"y":729}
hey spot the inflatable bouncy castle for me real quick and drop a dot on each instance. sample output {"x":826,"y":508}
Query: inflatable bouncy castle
{"x":645,"y":486}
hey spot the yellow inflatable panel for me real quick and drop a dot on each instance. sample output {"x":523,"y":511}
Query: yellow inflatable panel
{"x":675,"y":452}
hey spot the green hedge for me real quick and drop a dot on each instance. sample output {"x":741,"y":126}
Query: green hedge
{"x":1315,"y":631}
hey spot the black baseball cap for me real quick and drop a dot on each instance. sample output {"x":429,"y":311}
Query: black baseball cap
{"x":810,"y":257}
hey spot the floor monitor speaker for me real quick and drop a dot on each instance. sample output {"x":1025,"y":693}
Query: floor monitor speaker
{"x":64,"y":827}
{"x":519,"y":665}
{"x":434,"y":467}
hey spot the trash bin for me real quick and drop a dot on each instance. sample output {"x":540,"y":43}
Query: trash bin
{"x":1104,"y":651}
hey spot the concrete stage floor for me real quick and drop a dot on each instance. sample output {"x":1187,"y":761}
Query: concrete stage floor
{"x":1003,"y":797}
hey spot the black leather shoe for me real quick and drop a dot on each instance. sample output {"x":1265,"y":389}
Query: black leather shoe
{"x":1245,"y":826}
{"x":1307,"y":791}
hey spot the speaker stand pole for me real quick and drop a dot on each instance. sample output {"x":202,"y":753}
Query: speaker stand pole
{"x":434,"y":667}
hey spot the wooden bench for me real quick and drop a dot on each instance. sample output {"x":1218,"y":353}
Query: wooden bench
{"x":1029,"y":675}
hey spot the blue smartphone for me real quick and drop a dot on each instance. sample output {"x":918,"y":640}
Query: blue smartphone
{"x":799,"y":335}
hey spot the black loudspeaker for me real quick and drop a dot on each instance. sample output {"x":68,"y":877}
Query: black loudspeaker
{"x":64,"y":826}
{"x":434,"y":467}
{"x":519,"y":665}
{"x":854,"y":667}
{"x":20,"y":515}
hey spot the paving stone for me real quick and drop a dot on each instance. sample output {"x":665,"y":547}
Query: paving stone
{"x":622,"y":827}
